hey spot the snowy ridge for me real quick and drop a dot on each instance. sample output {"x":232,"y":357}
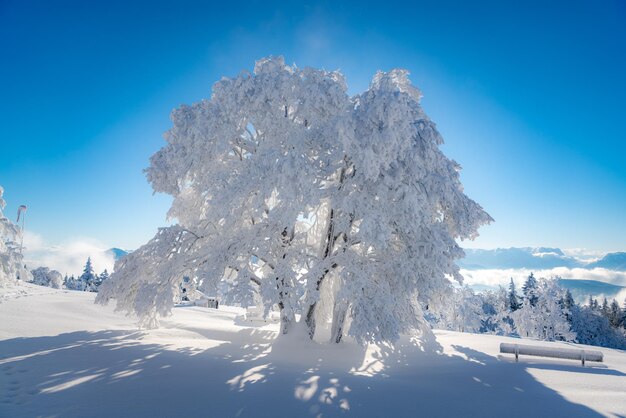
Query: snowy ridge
{"x":537,"y":258}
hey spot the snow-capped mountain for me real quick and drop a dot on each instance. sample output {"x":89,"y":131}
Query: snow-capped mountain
{"x":117,"y":253}
{"x":517,"y":258}
{"x":611,"y":261}
{"x":538,"y":258}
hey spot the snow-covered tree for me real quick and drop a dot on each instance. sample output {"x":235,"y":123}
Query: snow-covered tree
{"x":43,"y":276}
{"x":344,"y":209}
{"x":89,"y":278}
{"x":594,"y":329}
{"x":615,"y":314}
{"x":514,"y":303}
{"x":464,"y":312}
{"x":11,"y":260}
{"x":624,"y":316}
{"x":468,"y":311}
{"x":497,"y":310}
{"x":604,"y":308}
{"x":568,"y":303}
{"x":542,"y":315}
{"x":73,"y":283}
{"x":529,"y":289}
{"x":101,"y":278}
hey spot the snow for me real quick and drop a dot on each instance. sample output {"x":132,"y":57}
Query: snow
{"x":61,"y":355}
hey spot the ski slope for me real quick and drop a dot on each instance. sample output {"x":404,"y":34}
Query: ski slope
{"x":63,"y":356}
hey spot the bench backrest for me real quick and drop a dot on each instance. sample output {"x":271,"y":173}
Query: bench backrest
{"x":564,"y":353}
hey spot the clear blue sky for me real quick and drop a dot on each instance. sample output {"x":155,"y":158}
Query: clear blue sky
{"x":530,"y":97}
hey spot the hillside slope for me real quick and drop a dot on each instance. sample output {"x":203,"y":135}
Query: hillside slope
{"x":61,"y":355}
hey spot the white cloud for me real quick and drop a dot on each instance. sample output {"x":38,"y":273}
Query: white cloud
{"x":495,"y":277}
{"x":68,"y":257}
{"x":585,"y":255}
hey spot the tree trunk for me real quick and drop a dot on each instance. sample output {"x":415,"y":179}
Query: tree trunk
{"x":330,"y":242}
{"x":310,"y":319}
{"x":340,"y":311}
{"x":283,"y":291}
{"x":328,"y":249}
{"x":285,"y":320}
{"x":285,"y":324}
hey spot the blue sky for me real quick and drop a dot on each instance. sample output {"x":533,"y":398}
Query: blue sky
{"x":529,"y":98}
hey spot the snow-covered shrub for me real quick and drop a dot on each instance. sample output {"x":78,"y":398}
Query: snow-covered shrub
{"x":73,"y":283}
{"x":593,"y":328}
{"x":542,"y":314}
{"x":43,"y":276}
{"x":468,"y":311}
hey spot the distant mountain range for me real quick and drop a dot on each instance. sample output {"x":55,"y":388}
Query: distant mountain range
{"x":535,"y":258}
{"x":611,"y":261}
{"x":581,"y":289}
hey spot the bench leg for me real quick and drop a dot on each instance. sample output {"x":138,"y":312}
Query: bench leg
{"x":516,"y":353}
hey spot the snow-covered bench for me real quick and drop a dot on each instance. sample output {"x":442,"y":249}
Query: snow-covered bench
{"x":563,"y":353}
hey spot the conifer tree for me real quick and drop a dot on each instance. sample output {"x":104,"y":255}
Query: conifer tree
{"x":102,"y":277}
{"x":514,"y":303}
{"x":605,"y":308}
{"x":530,"y":290}
{"x":615,"y":314}
{"x":88,"y":277}
{"x":568,"y":304}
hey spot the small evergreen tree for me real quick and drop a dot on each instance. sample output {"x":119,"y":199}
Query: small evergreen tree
{"x":624,"y":316}
{"x":615,"y":314}
{"x":514,"y":303}
{"x":567,"y":304}
{"x":88,"y":277}
{"x":605,"y":308}
{"x":72,"y":283}
{"x":101,"y":278}
{"x":530,"y":290}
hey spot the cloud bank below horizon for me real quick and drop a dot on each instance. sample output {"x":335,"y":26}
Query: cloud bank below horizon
{"x":68,"y":257}
{"x":501,"y":277}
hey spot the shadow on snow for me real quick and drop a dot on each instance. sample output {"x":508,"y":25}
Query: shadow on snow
{"x":115,"y":373}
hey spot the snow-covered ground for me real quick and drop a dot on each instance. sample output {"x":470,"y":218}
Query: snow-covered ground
{"x":63,"y":356}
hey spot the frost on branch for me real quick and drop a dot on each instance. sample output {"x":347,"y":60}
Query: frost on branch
{"x":289,"y":192}
{"x":11,"y":260}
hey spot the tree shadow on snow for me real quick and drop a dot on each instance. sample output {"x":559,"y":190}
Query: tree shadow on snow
{"x":251,"y":374}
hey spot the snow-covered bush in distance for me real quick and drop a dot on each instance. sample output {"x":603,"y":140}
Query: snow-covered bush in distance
{"x":11,"y":260}
{"x":286,"y":187}
{"x":43,"y":276}
{"x":541,"y":316}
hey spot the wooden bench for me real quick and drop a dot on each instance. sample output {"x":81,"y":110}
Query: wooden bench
{"x":563,"y":353}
